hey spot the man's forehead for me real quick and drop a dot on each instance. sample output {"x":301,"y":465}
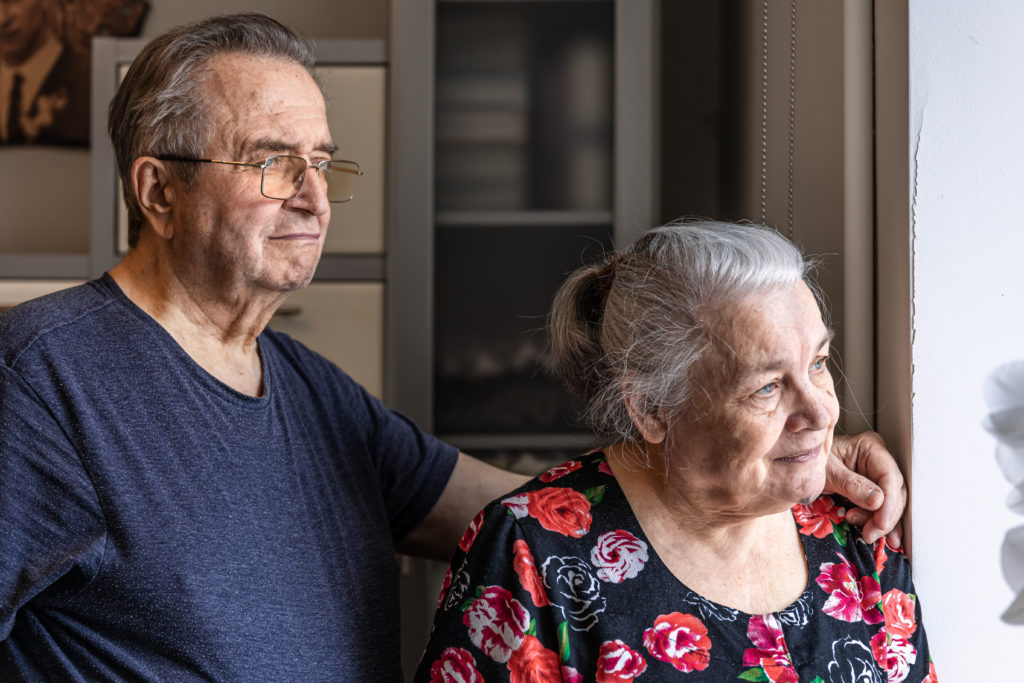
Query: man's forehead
{"x":234,"y":71}
{"x":264,"y":103}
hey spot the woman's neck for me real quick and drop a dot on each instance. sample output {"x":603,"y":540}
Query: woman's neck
{"x":752,"y":563}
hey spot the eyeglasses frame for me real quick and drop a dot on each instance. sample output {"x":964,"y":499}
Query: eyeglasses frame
{"x":266,"y":162}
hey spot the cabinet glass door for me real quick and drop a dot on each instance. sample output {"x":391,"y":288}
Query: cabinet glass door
{"x":523,"y":195}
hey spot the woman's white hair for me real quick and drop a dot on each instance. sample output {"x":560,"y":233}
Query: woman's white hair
{"x":638,"y":322}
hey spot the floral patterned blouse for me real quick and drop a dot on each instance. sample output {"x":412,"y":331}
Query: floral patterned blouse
{"x":556,"y":582}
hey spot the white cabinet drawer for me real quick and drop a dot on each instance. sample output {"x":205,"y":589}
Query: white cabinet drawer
{"x":14,"y":292}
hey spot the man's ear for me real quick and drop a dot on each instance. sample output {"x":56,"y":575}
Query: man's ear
{"x":154,"y":189}
{"x":651,"y":425}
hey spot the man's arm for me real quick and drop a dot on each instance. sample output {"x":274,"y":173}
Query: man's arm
{"x":861,"y":469}
{"x":473,"y":485}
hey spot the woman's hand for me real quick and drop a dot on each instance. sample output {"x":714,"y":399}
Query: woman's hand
{"x":861,"y":469}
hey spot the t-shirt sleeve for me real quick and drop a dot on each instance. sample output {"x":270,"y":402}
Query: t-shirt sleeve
{"x":413,"y":467}
{"x":489,"y":618}
{"x":51,"y":527}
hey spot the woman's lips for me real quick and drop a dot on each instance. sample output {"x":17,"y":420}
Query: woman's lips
{"x":801,"y":456}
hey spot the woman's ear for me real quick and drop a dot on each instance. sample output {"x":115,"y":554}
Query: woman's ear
{"x":650,"y":424}
{"x":154,"y":190}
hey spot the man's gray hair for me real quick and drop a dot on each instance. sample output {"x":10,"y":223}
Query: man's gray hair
{"x":159,"y":108}
{"x":638,"y":323}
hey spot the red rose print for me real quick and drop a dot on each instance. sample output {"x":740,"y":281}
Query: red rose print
{"x":534,"y":663}
{"x":770,"y":652}
{"x":896,"y":655}
{"x":619,"y":663}
{"x":819,"y":518}
{"x":680,"y":640}
{"x":455,"y":666}
{"x":562,"y":510}
{"x":603,"y":467}
{"x":618,"y":555}
{"x":526,"y":570}
{"x":560,"y":471}
{"x":932,"y":676}
{"x":880,"y":555}
{"x":852,"y":597}
{"x":497,"y":623}
{"x":900,"y":618}
{"x":444,"y":587}
{"x":471,"y":531}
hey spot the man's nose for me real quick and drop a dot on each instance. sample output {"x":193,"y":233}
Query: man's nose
{"x":312,"y":195}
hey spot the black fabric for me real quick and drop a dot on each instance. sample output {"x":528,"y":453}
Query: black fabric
{"x":15,"y":134}
{"x":558,"y":580}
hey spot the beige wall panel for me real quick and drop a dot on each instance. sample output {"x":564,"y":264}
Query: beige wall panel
{"x":44,"y":197}
{"x":356,"y":113}
{"x":13,"y":292}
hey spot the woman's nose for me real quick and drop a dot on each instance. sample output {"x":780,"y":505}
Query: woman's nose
{"x":813,"y":407}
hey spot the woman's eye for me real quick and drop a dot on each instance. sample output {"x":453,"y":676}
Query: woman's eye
{"x":820,"y":363}
{"x":767,"y":389}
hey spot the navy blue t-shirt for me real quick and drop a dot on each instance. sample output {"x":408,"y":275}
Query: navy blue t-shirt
{"x":157,"y":524}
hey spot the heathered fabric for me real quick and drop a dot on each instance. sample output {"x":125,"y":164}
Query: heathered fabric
{"x":156,"y":524}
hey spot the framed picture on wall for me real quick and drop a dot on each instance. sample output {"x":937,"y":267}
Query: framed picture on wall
{"x":45,"y":65}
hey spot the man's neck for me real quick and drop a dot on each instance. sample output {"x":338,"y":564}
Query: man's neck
{"x":218,"y":332}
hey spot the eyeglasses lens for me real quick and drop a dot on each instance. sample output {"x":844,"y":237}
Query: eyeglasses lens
{"x":283,"y":177}
{"x":340,"y":177}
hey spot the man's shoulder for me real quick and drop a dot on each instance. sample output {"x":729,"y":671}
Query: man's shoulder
{"x":291,"y":351}
{"x":25,"y":324}
{"x":299,"y":363}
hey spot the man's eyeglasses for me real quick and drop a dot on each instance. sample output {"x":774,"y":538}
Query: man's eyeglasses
{"x":283,"y":175}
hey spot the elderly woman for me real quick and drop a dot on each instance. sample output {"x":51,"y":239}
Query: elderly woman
{"x":699,"y":541}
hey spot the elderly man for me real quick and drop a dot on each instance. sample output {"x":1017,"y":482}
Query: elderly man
{"x":183,"y":492}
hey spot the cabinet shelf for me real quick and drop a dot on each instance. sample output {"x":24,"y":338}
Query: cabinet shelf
{"x":354,"y":267}
{"x":524,"y":219}
{"x":520,"y":442}
{"x":35,"y":266}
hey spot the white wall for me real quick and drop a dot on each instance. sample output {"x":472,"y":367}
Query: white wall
{"x":967,"y":205}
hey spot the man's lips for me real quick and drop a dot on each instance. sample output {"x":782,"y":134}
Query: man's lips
{"x":297,"y":236}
